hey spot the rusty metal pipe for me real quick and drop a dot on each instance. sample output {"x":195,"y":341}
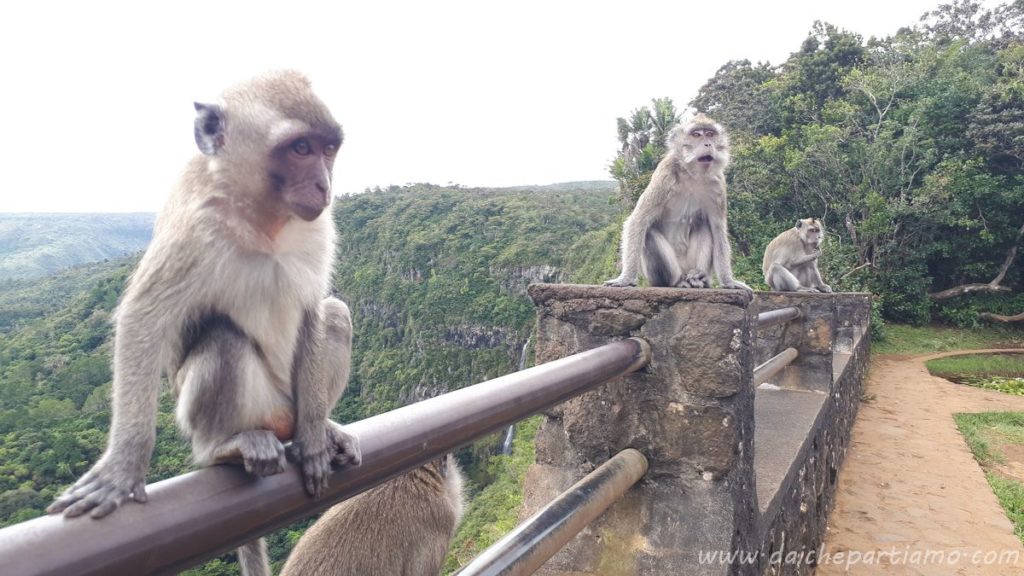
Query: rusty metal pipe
{"x":200,"y":515}
{"x":774,"y":365}
{"x":526,"y":548}
{"x":775,"y":317}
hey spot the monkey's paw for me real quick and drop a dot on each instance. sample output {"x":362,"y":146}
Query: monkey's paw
{"x":619,"y":282}
{"x":344,"y":447}
{"x":695,"y":279}
{"x":262,"y":453}
{"x":737,"y":285}
{"x":339,"y":447}
{"x":824,"y":288}
{"x":101,"y":490}
{"x":315,"y":463}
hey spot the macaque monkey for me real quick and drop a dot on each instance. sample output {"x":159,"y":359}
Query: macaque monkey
{"x":791,"y":259}
{"x":677,"y":233}
{"x":402,"y":527}
{"x":229,"y":302}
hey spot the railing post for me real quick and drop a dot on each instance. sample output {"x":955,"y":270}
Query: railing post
{"x":690,"y":413}
{"x":810,"y":333}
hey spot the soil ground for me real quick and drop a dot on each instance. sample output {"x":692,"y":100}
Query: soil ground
{"x":911,"y":499}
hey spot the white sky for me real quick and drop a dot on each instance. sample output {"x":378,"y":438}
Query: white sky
{"x":97,"y":96}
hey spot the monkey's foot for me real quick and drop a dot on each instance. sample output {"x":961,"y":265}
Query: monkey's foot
{"x":695,"y":279}
{"x":102,"y":489}
{"x":619,"y":282}
{"x":315,"y":463}
{"x":262,"y":453}
{"x":737,"y":285}
{"x":806,"y":289}
{"x":343,"y":446}
{"x":824,"y":288}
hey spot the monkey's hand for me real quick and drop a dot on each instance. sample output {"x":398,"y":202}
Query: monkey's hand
{"x":620,"y":282}
{"x":824,"y":288}
{"x":737,"y":285}
{"x":102,"y":489}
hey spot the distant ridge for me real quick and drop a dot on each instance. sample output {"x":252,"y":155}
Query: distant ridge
{"x":34,"y":245}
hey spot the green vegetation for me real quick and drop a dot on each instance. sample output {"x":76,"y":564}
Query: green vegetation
{"x":986,"y":434}
{"x":436,"y":280}
{"x":909,"y":148}
{"x":35,"y":245}
{"x":999,"y":372}
{"x":903,"y":339}
{"x":982,"y":365}
{"x":494,"y":511}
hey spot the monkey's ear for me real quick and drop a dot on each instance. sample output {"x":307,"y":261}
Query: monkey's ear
{"x":209,"y":128}
{"x":799,"y":223}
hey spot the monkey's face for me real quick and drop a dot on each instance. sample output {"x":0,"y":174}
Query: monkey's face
{"x":811,"y":232}
{"x":300,"y":171}
{"x":703,"y":143}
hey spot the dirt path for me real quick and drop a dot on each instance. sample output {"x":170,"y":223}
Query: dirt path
{"x":911,"y":499}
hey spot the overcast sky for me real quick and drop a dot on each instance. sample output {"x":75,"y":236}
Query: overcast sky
{"x":97,"y":96}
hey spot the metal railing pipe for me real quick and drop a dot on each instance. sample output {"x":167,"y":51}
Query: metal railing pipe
{"x":774,"y":365}
{"x":199,"y":515}
{"x":526,"y":548}
{"x":775,"y":317}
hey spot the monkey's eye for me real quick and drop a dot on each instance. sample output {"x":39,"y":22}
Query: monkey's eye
{"x":696,"y":133}
{"x":709,"y":133}
{"x":302,"y":147}
{"x":330,"y":150}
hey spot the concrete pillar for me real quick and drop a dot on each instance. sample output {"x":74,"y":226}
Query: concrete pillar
{"x":691,"y":412}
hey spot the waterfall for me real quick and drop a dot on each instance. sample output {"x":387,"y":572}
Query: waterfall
{"x":506,"y":446}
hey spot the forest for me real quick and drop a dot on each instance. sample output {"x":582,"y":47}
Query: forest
{"x":909,"y":148}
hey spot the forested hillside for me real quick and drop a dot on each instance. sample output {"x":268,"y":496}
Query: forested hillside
{"x":436,"y":281}
{"x":35,"y":245}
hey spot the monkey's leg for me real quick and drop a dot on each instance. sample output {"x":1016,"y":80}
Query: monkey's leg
{"x":782,"y":280}
{"x":697,"y":260}
{"x":659,"y":261}
{"x":321,"y":369}
{"x":812,"y":278}
{"x":228,"y":405}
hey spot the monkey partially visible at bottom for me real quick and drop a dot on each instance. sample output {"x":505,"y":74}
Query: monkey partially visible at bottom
{"x":402,"y":527}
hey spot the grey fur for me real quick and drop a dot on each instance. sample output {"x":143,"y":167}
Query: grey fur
{"x":790,"y":261}
{"x":229,"y":302}
{"x":400,"y":528}
{"x":678,"y":232}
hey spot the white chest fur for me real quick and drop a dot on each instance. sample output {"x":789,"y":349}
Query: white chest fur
{"x":267,"y":294}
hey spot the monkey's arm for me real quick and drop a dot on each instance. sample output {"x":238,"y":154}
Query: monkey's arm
{"x":121,"y":471}
{"x":817,"y":282}
{"x":321,"y":371}
{"x":635,"y":229}
{"x":803,"y":259}
{"x":721,"y":254}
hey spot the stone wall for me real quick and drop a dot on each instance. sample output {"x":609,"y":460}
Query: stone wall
{"x":691,"y":412}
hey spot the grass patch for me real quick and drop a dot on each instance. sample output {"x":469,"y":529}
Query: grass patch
{"x":902,"y":339}
{"x":986,"y":365}
{"x":984,"y":434}
{"x":1000,"y":372}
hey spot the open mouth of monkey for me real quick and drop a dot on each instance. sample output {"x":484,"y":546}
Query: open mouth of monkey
{"x":706,"y":158}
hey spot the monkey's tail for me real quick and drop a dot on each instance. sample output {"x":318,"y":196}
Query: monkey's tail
{"x":252,"y":558}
